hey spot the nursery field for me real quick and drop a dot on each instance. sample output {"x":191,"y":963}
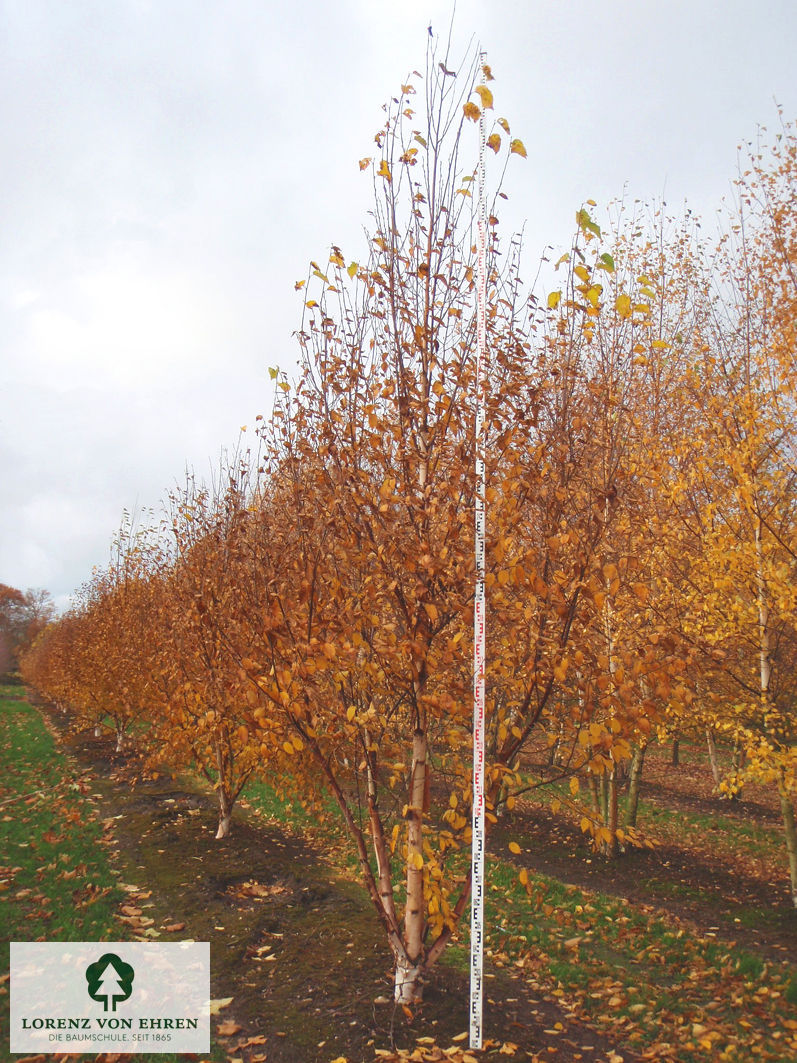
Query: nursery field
{"x":684,"y":950}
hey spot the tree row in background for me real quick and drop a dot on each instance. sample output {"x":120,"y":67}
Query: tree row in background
{"x":308,"y":616}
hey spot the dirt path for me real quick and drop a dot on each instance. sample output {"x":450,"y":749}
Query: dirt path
{"x":293,"y":943}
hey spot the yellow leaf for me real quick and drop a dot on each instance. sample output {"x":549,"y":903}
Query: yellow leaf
{"x":594,"y":294}
{"x":524,"y":877}
{"x":431,"y":611}
{"x":365,"y":163}
{"x":623,"y":306}
{"x":384,"y":171}
{"x":514,"y":848}
{"x":415,"y":860}
{"x":517,"y":147}
{"x":311,"y":303}
{"x":217,"y":1005}
{"x":336,"y":258}
{"x":586,"y":825}
{"x":485,"y":96}
{"x":554,"y":299}
{"x":299,"y":285}
{"x":574,"y":785}
{"x":487,"y":72}
{"x":470,"y":110}
{"x":582,"y":272}
{"x":494,"y":141}
{"x":351,"y":712}
{"x":660,"y":345}
{"x":352,"y":269}
{"x":504,"y":125}
{"x":288,"y":748}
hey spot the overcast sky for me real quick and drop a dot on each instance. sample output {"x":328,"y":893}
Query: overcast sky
{"x":169,"y":167}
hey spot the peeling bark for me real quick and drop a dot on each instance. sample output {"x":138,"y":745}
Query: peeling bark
{"x":408,"y":988}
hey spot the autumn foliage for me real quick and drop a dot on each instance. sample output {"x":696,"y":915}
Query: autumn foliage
{"x":308,"y":616}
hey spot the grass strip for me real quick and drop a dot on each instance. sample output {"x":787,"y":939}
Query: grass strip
{"x":56,"y":882}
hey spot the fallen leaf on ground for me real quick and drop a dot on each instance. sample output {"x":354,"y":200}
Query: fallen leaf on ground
{"x":217,"y":1005}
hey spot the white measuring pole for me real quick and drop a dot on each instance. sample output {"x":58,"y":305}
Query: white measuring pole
{"x":479,"y":648}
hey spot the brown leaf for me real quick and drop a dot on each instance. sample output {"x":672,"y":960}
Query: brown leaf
{"x":228,"y":1029}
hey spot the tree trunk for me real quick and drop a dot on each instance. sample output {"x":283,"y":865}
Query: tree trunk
{"x":553,"y":753}
{"x":610,"y":848}
{"x":676,"y":752}
{"x":604,"y":791}
{"x":593,"y":788}
{"x":384,"y":878}
{"x":225,"y":813}
{"x":120,"y":739}
{"x":790,"y":832}
{"x":634,"y":778}
{"x":738,"y":764}
{"x":712,"y":757}
{"x":97,"y":730}
{"x":225,"y":803}
{"x":408,"y":988}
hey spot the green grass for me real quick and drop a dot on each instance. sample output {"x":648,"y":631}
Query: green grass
{"x":59,"y":885}
{"x":266,"y":800}
{"x":646,"y":979}
{"x":729,"y":832}
{"x":56,"y":879}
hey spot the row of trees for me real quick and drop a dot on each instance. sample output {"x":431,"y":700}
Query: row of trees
{"x":23,"y":615}
{"x":308,"y":615}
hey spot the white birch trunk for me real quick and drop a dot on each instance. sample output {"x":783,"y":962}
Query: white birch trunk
{"x":408,"y":966}
{"x":408,"y":986}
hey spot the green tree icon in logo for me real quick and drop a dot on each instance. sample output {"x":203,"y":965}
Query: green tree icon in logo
{"x":110,"y":980}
